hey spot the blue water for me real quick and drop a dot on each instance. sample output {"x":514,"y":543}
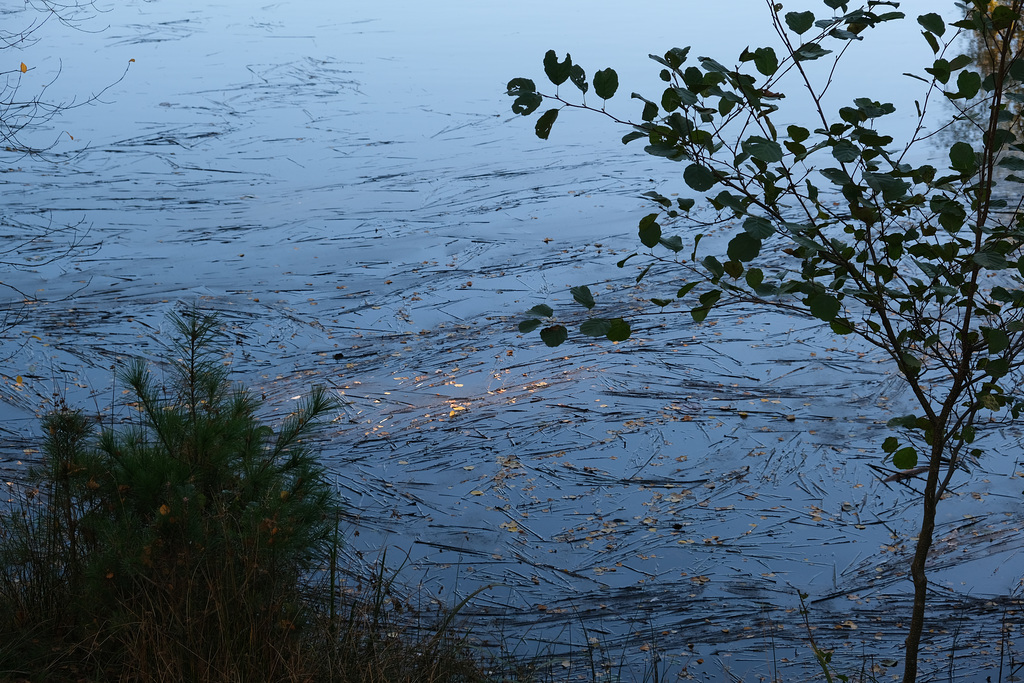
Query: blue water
{"x":346,"y":186}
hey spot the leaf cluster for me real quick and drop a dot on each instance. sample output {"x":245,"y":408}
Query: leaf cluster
{"x":922,"y":262}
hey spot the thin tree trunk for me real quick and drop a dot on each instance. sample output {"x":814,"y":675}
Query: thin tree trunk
{"x":917,"y":566}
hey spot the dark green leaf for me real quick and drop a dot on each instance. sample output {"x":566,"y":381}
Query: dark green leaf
{"x":755,"y":277}
{"x":528,"y":326}
{"x":708,"y":301}
{"x":583,"y":296}
{"x":1003,"y":17}
{"x":960,"y":62}
{"x":673,"y":243}
{"x":912,"y":364}
{"x":810,"y":51}
{"x":991,"y":260}
{"x":713,"y":266}
{"x":650,"y":231}
{"x":997,"y":367}
{"x":962,"y":158}
{"x":889,"y":16}
{"x":557,"y":72}
{"x":543,"y":310}
{"x":799,"y":22}
{"x":759,"y":227}
{"x":823,"y":306}
{"x":763,"y":149}
{"x":969,"y":83}
{"x":905,"y":421}
{"x":932,"y":22}
{"x":873,"y":109}
{"x":905,"y":458}
{"x":1012,"y":163}
{"x":699,"y":177}
{"x":527,"y":98}
{"x":544,"y":123}
{"x":527,"y":104}
{"x":579,"y":78}
{"x":606,"y":82}
{"x":837,"y":175}
{"x":890,"y":444}
{"x":712,"y":66}
{"x":765,"y":61}
{"x":554,"y":335}
{"x":798,"y":134}
{"x":685,"y":289}
{"x":841,"y":326}
{"x":596,"y":327}
{"x":940,"y":70}
{"x":619,"y":330}
{"x":710,"y":298}
{"x":744,"y":247}
{"x":521,"y":86}
{"x":891,"y":188}
{"x":677,"y":56}
{"x":728,"y":200}
{"x":968,"y":434}
{"x":845,"y":151}
{"x":670,"y":100}
{"x":996,"y":339}
{"x":635,"y":135}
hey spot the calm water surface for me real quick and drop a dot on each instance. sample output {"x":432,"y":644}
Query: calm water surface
{"x":347,"y":187}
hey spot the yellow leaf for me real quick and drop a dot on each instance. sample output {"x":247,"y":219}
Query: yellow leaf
{"x":131,"y":60}
{"x":476,"y":493}
{"x":23,"y":67}
{"x":18,"y":380}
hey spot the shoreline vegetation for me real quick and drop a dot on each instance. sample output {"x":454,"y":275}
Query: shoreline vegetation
{"x":194,"y":543}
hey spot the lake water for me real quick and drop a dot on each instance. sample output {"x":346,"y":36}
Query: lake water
{"x":347,"y":187}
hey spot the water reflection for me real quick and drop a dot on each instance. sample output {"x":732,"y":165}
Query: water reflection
{"x":344,"y":184}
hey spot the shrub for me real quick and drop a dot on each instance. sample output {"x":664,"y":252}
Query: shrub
{"x":176,"y":546}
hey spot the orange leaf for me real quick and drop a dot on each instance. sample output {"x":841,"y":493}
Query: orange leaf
{"x":23,"y":67}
